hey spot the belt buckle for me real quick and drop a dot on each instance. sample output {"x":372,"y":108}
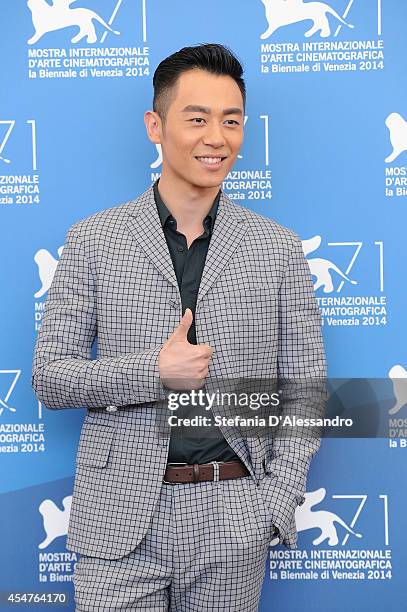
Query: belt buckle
{"x":174,"y":463}
{"x":216,"y":470}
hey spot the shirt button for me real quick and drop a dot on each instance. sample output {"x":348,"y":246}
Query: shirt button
{"x":180,"y":248}
{"x":111,"y":408}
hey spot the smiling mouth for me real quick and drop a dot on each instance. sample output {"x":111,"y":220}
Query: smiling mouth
{"x":211,"y":161}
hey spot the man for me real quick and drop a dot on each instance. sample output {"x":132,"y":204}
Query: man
{"x":181,"y":287}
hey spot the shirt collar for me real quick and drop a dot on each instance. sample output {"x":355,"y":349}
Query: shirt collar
{"x":165,"y":214}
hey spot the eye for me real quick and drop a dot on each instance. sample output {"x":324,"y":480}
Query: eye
{"x":202,"y":121}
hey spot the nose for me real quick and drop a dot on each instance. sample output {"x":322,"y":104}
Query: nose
{"x":214,"y":135}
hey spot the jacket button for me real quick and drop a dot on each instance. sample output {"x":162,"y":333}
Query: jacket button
{"x":111,"y":408}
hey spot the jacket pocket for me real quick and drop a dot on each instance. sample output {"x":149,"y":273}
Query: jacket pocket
{"x":95,"y":443}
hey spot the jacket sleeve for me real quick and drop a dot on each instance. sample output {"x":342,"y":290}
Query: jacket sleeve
{"x":63,"y":374}
{"x":302,"y":383}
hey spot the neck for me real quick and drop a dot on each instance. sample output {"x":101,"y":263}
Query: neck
{"x":188,"y":203}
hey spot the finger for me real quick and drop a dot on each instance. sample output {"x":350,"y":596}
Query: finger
{"x":180,"y":334}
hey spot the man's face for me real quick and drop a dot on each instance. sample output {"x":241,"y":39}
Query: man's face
{"x":203,"y":130}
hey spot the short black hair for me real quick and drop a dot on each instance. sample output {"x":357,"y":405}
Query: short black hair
{"x":214,"y":58}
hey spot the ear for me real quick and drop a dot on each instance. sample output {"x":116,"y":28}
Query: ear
{"x":153,"y":126}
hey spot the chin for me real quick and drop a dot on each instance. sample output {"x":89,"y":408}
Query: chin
{"x":209,"y":181}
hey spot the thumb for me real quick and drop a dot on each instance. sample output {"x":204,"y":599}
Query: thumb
{"x":181,"y":332}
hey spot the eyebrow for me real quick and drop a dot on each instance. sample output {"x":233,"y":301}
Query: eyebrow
{"x":194,"y":108}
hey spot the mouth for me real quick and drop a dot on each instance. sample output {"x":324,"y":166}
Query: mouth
{"x":211,"y":162}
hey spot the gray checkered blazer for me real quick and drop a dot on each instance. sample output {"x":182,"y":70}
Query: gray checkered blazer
{"x":115,"y":281}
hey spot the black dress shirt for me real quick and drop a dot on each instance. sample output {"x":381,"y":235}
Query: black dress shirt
{"x":192,"y":444}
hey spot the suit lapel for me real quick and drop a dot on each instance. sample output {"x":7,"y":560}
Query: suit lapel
{"x":145,"y":226}
{"x":229,"y":229}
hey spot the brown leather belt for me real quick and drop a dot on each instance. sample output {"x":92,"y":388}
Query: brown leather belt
{"x":199,"y":472}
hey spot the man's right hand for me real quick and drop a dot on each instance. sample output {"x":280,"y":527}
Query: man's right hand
{"x":184,"y":366}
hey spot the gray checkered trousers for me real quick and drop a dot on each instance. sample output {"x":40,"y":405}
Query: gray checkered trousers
{"x":144,"y":544}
